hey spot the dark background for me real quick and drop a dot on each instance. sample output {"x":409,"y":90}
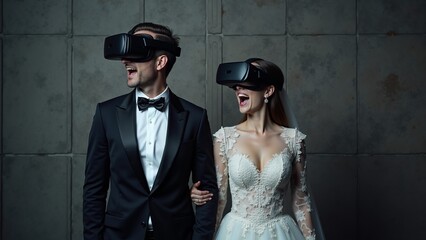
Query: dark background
{"x":355,"y":72}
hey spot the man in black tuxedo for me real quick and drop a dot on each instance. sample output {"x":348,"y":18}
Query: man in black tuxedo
{"x":143,"y":148}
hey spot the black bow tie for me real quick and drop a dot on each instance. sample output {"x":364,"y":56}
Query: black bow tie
{"x":144,"y":103}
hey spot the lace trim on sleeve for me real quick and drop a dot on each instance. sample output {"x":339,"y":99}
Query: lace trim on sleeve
{"x":301,"y":198}
{"x":220,"y":148}
{"x":298,"y":140}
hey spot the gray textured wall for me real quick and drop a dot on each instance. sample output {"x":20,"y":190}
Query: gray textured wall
{"x":355,"y":72}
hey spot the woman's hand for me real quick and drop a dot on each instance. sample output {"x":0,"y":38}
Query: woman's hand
{"x":200,"y":197}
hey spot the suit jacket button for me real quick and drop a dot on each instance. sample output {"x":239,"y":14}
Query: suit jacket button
{"x":143,"y":224}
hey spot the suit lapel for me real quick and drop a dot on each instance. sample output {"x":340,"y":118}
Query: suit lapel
{"x":126,"y":118}
{"x":175,"y":130}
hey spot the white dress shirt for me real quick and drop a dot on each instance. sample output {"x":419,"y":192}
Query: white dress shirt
{"x":151,"y":126}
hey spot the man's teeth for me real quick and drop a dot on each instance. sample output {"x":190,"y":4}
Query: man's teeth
{"x":130,"y":69}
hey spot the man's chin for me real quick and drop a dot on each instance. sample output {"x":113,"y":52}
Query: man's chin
{"x":131,"y":83}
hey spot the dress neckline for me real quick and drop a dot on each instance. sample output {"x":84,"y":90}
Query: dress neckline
{"x":236,"y":133}
{"x":247,"y":158}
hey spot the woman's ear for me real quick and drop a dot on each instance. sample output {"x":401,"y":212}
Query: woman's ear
{"x":269,"y":91}
{"x":161,"y":62}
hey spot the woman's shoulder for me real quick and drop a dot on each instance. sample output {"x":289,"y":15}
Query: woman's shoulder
{"x":293,"y":133}
{"x":224,"y":131}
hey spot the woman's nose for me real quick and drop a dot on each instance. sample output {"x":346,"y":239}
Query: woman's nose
{"x":236,"y":87}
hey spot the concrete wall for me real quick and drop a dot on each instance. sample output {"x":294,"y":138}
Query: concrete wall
{"x":355,"y":72}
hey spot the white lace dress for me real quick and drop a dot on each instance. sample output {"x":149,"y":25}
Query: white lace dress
{"x":259,"y":197}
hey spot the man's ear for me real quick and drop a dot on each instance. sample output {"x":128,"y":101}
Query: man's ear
{"x":161,"y":62}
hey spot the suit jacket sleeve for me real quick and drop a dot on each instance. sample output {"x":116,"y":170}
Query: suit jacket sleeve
{"x":204,"y":171}
{"x":96,"y":179}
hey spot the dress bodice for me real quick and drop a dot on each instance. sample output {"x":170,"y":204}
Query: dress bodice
{"x":259,"y":196}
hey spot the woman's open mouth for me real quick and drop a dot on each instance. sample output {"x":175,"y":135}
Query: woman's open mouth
{"x":242,"y":99}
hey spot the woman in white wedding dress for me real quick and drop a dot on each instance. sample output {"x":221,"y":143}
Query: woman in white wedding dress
{"x":261,"y":158}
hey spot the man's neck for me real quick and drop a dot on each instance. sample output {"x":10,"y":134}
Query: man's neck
{"x":153,"y":92}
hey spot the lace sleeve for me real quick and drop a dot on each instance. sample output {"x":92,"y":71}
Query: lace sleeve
{"x":300,"y":195}
{"x":221,"y":171}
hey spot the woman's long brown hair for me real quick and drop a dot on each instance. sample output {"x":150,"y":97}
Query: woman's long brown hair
{"x":275,"y":106}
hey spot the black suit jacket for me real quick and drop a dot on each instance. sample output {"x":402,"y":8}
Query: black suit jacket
{"x":114,"y":171}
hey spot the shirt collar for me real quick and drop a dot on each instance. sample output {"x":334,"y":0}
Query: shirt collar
{"x":165,"y":94}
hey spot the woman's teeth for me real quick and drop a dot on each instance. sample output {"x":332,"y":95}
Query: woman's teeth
{"x":243,"y":98}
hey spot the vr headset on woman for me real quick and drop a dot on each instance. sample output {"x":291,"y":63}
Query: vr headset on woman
{"x":243,"y":74}
{"x":138,"y":48}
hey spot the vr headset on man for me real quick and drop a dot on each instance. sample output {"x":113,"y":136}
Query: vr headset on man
{"x":138,"y":48}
